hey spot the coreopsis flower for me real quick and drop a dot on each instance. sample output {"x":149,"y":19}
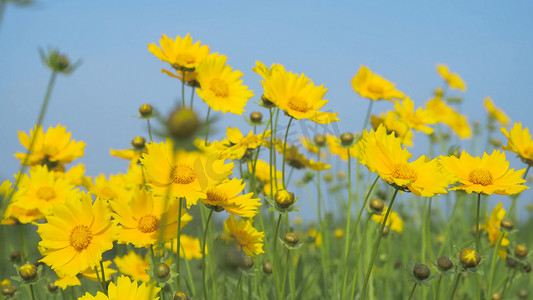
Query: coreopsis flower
{"x":520,"y":142}
{"x":190,"y":77}
{"x":15,"y":213}
{"x":65,"y":281}
{"x":180,"y":53}
{"x":453,"y":79}
{"x":116,"y":187}
{"x":42,"y":191}
{"x":495,"y":112}
{"x":441,"y":112}
{"x":77,"y":233}
{"x":316,"y":236}
{"x":245,"y":235}
{"x":227,"y":195}
{"x":416,"y":120}
{"x":190,"y":247}
{"x":89,"y":273}
{"x":133,"y":265}
{"x":374,"y":87}
{"x":265,"y":72}
{"x":489,"y":174}
{"x":52,"y":148}
{"x":75,"y":174}
{"x":129,"y":154}
{"x":125,"y":289}
{"x":382,"y":153}
{"x":297,"y":96}
{"x":240,"y":143}
{"x":297,"y":160}
{"x":141,"y":220}
{"x":221,"y":87}
{"x":262,"y":173}
{"x":392,"y":123}
{"x":335,"y":147}
{"x":395,"y":222}
{"x":493,"y":228}
{"x":182,"y":173}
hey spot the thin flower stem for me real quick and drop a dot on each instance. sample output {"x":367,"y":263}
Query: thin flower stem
{"x":192,"y":95}
{"x":149,"y":130}
{"x":508,"y":283}
{"x":203,"y":254}
{"x":32,"y":293}
{"x":99,"y":279}
{"x":367,"y":117}
{"x":348,"y":219}
{"x":183,"y":89}
{"x":376,"y":245}
{"x":40,"y":119}
{"x":412,"y":292}
{"x":493,"y":262}
{"x":189,"y":274}
{"x":276,"y":262}
{"x":448,"y":227}
{"x":207,"y":125}
{"x":359,"y":267}
{"x":455,"y":285}
{"x":178,"y":244}
{"x":238,"y":289}
{"x":284,"y":152}
{"x":103,"y":276}
{"x":437,"y":291}
{"x":478,"y":236}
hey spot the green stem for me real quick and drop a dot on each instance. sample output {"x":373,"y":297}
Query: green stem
{"x":189,"y":273}
{"x":183,"y":89}
{"x":203,"y":253}
{"x":192,"y":95}
{"x":103,"y":276}
{"x":238,"y":289}
{"x":99,"y":279}
{"x":448,"y":227}
{"x":367,"y":117}
{"x":276,"y":262}
{"x":455,"y":284}
{"x":348,"y":219}
{"x":32,"y":293}
{"x":207,"y":125}
{"x":478,"y":236}
{"x":149,"y":130}
{"x":178,"y":244}
{"x":284,"y":152}
{"x":412,"y":292}
{"x":493,"y":262}
{"x":437,"y":293}
{"x":508,"y":283}
{"x":376,"y":245}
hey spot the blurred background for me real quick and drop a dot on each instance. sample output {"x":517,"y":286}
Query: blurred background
{"x":488,"y":43}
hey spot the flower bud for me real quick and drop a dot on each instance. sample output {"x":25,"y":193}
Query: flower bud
{"x":267,"y":268}
{"x":511,"y":262}
{"x":496,"y":143}
{"x":438,"y":92}
{"x":522,"y":293}
{"x":320,"y":140}
{"x":444,"y":263}
{"x":256,"y":117}
{"x":497,"y":296}
{"x":9,"y":290}
{"x":180,"y":296}
{"x":5,"y":282}
{"x":521,"y":251}
{"x":338,"y":233}
{"x":386,"y":231}
{"x":507,"y":224}
{"x":247,"y":262}
{"x":28,"y":272}
{"x":291,"y":238}
{"x":138,"y":142}
{"x":347,"y":138}
{"x":15,"y":256}
{"x":283,"y":198}
{"x":146,"y":110}
{"x":328,"y":177}
{"x":377,"y":205}
{"x":52,"y":287}
{"x":162,"y":271}
{"x":421,"y":271}
{"x":527,"y":267}
{"x":183,"y":123}
{"x":341,"y":175}
{"x":266,"y":102}
{"x":469,"y":258}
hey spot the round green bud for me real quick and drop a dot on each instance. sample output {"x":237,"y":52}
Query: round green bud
{"x":347,"y":138}
{"x":138,"y":142}
{"x":267,"y":268}
{"x":521,"y":250}
{"x":444,"y":263}
{"x":183,"y":123}
{"x":283,"y":198}
{"x":163,"y":270}
{"x":146,"y":110}
{"x":320,"y":140}
{"x":291,"y":238}
{"x":421,"y":272}
{"x":28,"y":272}
{"x":256,"y":117}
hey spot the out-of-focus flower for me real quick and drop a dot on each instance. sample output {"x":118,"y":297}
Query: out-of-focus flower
{"x":335,"y":147}
{"x":416,"y":120}
{"x":245,"y":235}
{"x":492,"y":227}
{"x":190,"y":247}
{"x":374,"y":87}
{"x":297,"y":160}
{"x":392,"y":123}
{"x":262,"y":172}
{"x":453,"y":79}
{"x":133,"y":265}
{"x":519,"y":141}
{"x":441,"y":112}
{"x":395,"y":222}
{"x":495,"y":112}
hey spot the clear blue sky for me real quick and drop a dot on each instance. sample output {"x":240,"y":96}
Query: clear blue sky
{"x":489,"y":43}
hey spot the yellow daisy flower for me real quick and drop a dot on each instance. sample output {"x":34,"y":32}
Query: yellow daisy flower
{"x":265,"y":72}
{"x":453,"y":79}
{"x":495,"y":112}
{"x":190,"y":77}
{"x":116,"y":188}
{"x":245,"y":235}
{"x":90,"y":273}
{"x":181,"y":53}
{"x":140,"y":222}
{"x":489,"y":174}
{"x":52,"y":148}
{"x":382,"y":153}
{"x":441,"y":112}
{"x":240,"y":143}
{"x":133,"y":265}
{"x":297,"y":160}
{"x":74,"y":174}
{"x":190,"y":247}
{"x":374,"y":87}
{"x":182,"y":174}
{"x":65,"y":281}
{"x":492,"y":227}
{"x":519,"y":141}
{"x":297,"y":96}
{"x":392,"y":123}
{"x":221,"y":87}
{"x":416,"y":120}
{"x":395,"y":222}
{"x":335,"y":147}
{"x":262,"y":173}
{"x":125,"y":289}
{"x":76,"y":235}
{"x":227,"y":196}
{"x":14,"y":213}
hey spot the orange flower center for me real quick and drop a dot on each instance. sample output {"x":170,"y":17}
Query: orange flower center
{"x":216,"y":195}
{"x":375,"y":88}
{"x":480,"y":176}
{"x":80,"y":237}
{"x":46,"y":193}
{"x":404,"y":171}
{"x":148,"y":223}
{"x":185,"y":58}
{"x":297,"y":104}
{"x":182,"y":174}
{"x":219,"y":87}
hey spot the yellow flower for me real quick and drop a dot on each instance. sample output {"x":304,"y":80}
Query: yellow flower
{"x":297,"y":160}
{"x":190,"y":247}
{"x":221,"y":87}
{"x":227,"y":195}
{"x":492,"y":227}
{"x":76,"y":235}
{"x":335,"y":147}
{"x":129,"y":154}
{"x":125,"y":290}
{"x":182,"y":174}
{"x":190,"y":77}
{"x":141,"y":221}
{"x":310,"y":146}
{"x":265,"y":72}
{"x":495,"y":112}
{"x":441,"y":112}
{"x":241,"y":143}
{"x":116,"y":188}
{"x":391,"y":121}
{"x":133,"y":265}
{"x":245,"y":235}
{"x":14,"y":213}
{"x":519,"y":141}
{"x":90,"y":273}
{"x":181,"y":53}
{"x":262,"y":172}
{"x":338,"y":233}
{"x":394,"y":221}
{"x":42,"y":191}
{"x":52,"y":148}
{"x":297,"y":96}
{"x":317,"y":236}
{"x":453,"y":79}
{"x":383,"y":154}
{"x":374,"y":87}
{"x":489,"y":174}
{"x":65,"y":281}
{"x":416,"y":120}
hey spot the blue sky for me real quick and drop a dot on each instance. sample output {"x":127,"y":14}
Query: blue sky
{"x":488,"y":43}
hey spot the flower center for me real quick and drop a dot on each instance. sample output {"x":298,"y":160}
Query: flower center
{"x":216,"y":195}
{"x":480,"y":176}
{"x":219,"y":87}
{"x":185,"y":58}
{"x":375,"y":88}
{"x":404,"y":171}
{"x":148,"y":223}
{"x":182,"y":174}
{"x":297,"y":104}
{"x":46,"y":193}
{"x":80,"y":237}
